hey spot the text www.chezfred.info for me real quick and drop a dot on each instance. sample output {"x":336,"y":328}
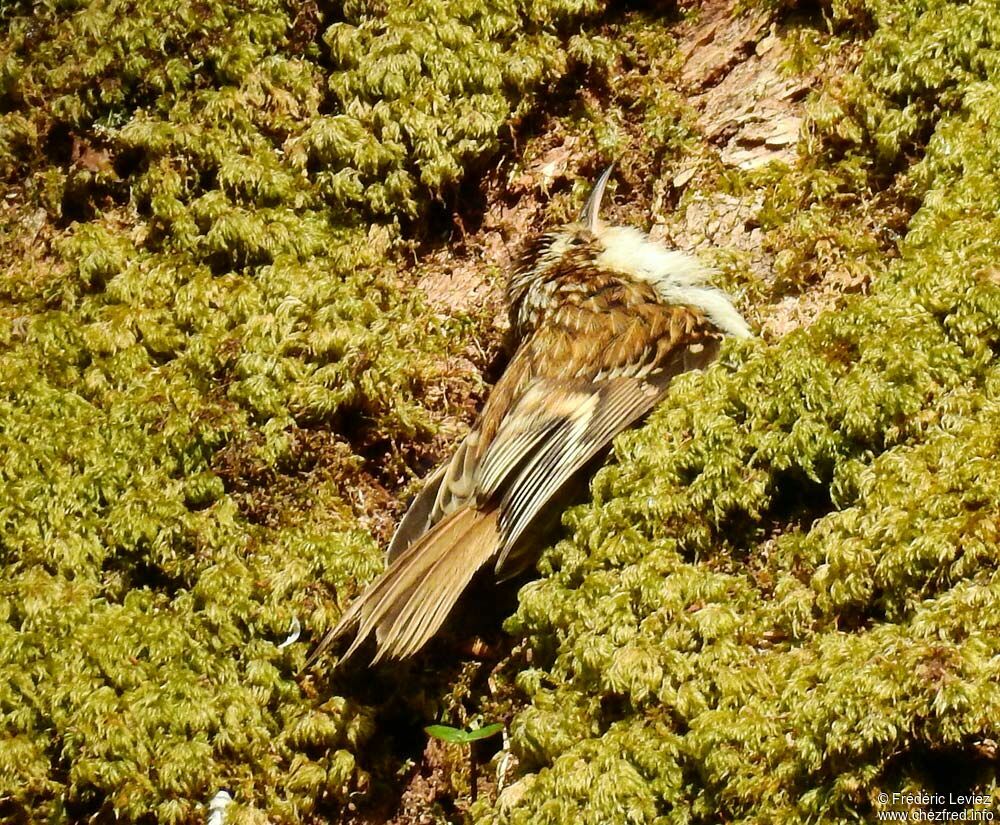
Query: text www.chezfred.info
{"x":934,"y":807}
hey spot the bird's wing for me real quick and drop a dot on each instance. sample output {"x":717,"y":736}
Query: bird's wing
{"x":557,"y":424}
{"x":612,"y":406}
{"x":446,"y":489}
{"x":573,"y":384}
{"x":420,"y":515}
{"x":456,"y":482}
{"x":607,"y":408}
{"x":544,"y":406}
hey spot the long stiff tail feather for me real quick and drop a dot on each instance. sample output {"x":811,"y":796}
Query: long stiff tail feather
{"x":410,"y":601}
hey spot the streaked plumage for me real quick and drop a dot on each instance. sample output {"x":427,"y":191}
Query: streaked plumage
{"x":603,"y":318}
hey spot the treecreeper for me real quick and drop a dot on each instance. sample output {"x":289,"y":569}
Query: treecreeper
{"x":603,"y":317}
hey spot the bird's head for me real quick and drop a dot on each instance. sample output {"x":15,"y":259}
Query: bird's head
{"x":588,"y":245}
{"x":569,"y":248}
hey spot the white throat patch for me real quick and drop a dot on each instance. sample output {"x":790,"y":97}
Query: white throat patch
{"x":677,"y":277}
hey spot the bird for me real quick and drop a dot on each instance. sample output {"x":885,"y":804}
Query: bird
{"x":602,"y":318}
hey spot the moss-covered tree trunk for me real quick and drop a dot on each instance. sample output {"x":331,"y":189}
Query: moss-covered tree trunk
{"x":250,"y":259}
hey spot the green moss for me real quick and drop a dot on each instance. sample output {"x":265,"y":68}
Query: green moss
{"x":782,"y":601}
{"x":202,"y":330}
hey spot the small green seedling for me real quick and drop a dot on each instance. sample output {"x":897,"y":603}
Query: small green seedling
{"x":459,"y":736}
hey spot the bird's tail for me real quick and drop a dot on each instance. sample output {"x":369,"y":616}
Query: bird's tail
{"x":409,"y":602}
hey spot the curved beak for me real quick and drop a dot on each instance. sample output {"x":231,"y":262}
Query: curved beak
{"x":589,"y":215}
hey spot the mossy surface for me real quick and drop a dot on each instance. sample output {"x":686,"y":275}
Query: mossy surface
{"x":203,"y":334}
{"x":783,"y":599}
